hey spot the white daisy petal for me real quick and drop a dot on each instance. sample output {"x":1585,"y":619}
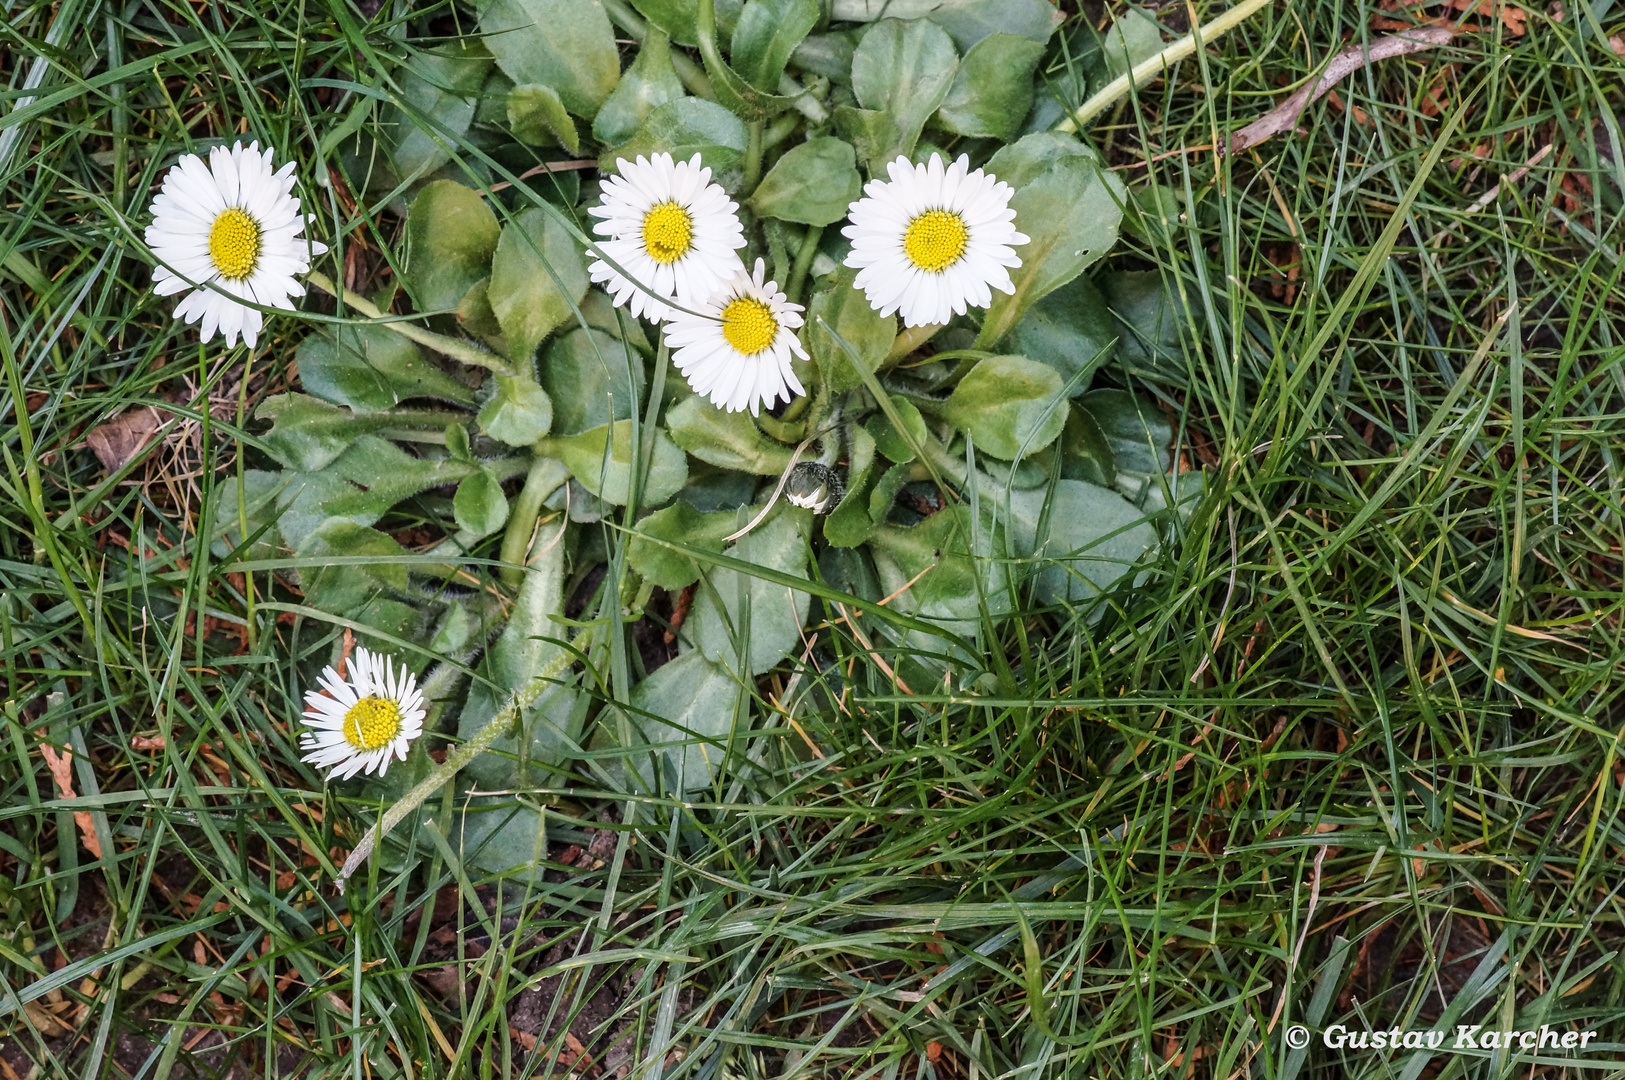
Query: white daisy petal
{"x":228,"y":230}
{"x":735,"y":349}
{"x":932,"y":241}
{"x":672,"y":232}
{"x":360,"y":724}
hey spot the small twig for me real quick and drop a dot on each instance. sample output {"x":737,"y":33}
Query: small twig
{"x":1285,"y":115}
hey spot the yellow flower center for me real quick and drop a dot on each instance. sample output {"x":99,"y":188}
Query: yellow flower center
{"x":668,"y":232}
{"x":372,"y":722}
{"x":748,"y":325}
{"x":935,"y":240}
{"x":234,"y":244}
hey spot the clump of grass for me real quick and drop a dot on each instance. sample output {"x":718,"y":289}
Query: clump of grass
{"x":1347,"y":752}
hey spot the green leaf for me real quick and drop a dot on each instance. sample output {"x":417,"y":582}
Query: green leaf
{"x":1085,"y":453}
{"x":875,"y":135}
{"x":650,"y":82}
{"x":307,"y":434}
{"x":344,"y":588}
{"x":539,"y":118}
{"x":475,"y":314}
{"x":884,"y":496}
{"x":1138,"y":435}
{"x":967,"y":21}
{"x":889,"y":440}
{"x":949,"y":563}
{"x":566,"y":44}
{"x":844,"y":309}
{"x":371,"y":367}
{"x":683,"y":128}
{"x":850,"y":523}
{"x":776,"y":613}
{"x":551,"y":726}
{"x":538,"y":273}
{"x":479,"y":505}
{"x":1070,"y":329}
{"x":690,"y":698}
{"x":729,"y":440}
{"x":814,"y":183}
{"x":829,"y":55}
{"x":676,"y":17}
{"x":1154,"y":214}
{"x":452,"y":236}
{"x":585,"y":373}
{"x":608,"y":476}
{"x":1006,"y":403}
{"x":376,"y":474}
{"x":1030,"y":157}
{"x":767,"y":33}
{"x":1070,"y":215}
{"x":672,"y":570}
{"x":519,"y":413}
{"x":1134,"y":37}
{"x":1094,"y":535}
{"x":904,"y":69}
{"x":443,"y":84}
{"x":1151,"y":320}
{"x":993,"y":90}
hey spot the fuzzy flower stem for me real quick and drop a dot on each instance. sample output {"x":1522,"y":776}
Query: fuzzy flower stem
{"x":494,"y":729}
{"x":1107,"y":95}
{"x":804,"y":260}
{"x":458,"y":350}
{"x":546,"y":475}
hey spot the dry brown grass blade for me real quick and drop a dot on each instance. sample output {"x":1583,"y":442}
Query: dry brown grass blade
{"x":1285,"y":115}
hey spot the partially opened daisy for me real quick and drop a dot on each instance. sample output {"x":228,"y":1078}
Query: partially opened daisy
{"x":229,"y":230}
{"x":736,"y":348}
{"x":357,"y":726}
{"x":671,"y":229}
{"x":933,"y":240}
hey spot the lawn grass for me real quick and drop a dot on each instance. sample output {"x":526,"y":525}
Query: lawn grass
{"x":1345,"y":752}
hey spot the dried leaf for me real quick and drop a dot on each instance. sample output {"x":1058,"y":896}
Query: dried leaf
{"x":123,"y":437}
{"x":1285,"y":115}
{"x":61,"y":766}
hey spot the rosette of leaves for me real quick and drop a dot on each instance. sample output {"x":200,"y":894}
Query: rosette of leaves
{"x":530,"y":433}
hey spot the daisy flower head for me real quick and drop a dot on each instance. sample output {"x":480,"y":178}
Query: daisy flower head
{"x":736,"y":348}
{"x":359,"y":724}
{"x":670,"y":228}
{"x":933,"y":240}
{"x":229,"y":231}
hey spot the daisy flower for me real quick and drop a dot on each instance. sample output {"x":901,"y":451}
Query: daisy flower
{"x":669,"y":227}
{"x":933,"y":240}
{"x":357,"y":726}
{"x":736,"y":348}
{"x":229,"y":230}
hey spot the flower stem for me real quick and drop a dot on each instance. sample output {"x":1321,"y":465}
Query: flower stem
{"x":494,"y":729}
{"x":458,"y":350}
{"x":753,"y":160}
{"x":545,"y":476}
{"x":1107,"y":95}
{"x":804,"y":260}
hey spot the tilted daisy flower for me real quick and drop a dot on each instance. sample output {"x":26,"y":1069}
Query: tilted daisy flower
{"x":670,"y":228}
{"x":229,"y":230}
{"x":736,"y":348}
{"x":933,"y":240}
{"x":357,"y":726}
